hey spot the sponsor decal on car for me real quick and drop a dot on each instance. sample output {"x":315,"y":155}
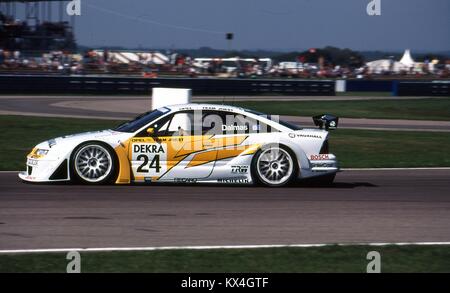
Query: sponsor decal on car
{"x":221,"y":108}
{"x":209,"y":108}
{"x":233,"y":180}
{"x":148,"y":148}
{"x":319,"y":157}
{"x":239,"y":169}
{"x":234,"y":128}
{"x":149,"y":159}
{"x":32,"y":162}
{"x":185,"y":180}
{"x":296,"y":135}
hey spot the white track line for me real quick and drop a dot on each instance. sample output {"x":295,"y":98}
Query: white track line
{"x":156,"y":248}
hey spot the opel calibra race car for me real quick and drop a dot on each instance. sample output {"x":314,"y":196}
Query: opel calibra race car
{"x":190,"y":143}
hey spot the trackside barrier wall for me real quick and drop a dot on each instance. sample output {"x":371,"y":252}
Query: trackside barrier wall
{"x":431,"y":89}
{"x":97,"y":85}
{"x":369,"y":85}
{"x":396,"y":87}
{"x":137,"y":85}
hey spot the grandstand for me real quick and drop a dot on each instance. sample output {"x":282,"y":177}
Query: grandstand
{"x":36,"y":26}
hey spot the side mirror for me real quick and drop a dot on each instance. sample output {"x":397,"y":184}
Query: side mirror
{"x":326,"y":121}
{"x":150,"y":131}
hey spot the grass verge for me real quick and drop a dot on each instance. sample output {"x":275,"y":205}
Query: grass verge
{"x":413,"y":109}
{"x":21,"y":133}
{"x":332,"y":259}
{"x":354,"y":148}
{"x":377,"y":149}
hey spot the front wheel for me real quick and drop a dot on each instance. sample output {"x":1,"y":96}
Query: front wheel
{"x":274,"y":166}
{"x":93,"y":163}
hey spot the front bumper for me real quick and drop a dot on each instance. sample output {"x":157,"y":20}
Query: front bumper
{"x":40,"y":170}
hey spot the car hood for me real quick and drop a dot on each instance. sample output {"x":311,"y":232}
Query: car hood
{"x":108,"y":136}
{"x":87,"y":135}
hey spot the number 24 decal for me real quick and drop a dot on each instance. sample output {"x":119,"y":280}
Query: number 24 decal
{"x":154,"y":164}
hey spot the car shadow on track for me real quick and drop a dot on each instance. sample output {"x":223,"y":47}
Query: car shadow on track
{"x":338,"y":185}
{"x":305,"y":183}
{"x":296,"y":184}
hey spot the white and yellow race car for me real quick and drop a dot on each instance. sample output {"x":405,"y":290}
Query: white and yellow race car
{"x":191,"y":143}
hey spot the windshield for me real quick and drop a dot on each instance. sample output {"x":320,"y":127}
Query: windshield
{"x":141,"y":120}
{"x":282,"y":122}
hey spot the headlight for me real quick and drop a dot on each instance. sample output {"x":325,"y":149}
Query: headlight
{"x":41,"y":152}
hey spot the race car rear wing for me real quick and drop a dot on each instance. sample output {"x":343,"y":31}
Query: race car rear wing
{"x":326,"y":120}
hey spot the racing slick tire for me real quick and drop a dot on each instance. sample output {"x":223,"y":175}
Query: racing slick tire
{"x":94,"y":163}
{"x":274,"y":166}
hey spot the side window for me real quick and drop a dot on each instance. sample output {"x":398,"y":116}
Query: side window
{"x":160,"y":127}
{"x":261,"y":127}
{"x":242,"y":124}
{"x":181,"y":124}
{"x":212,"y":122}
{"x":177,"y":124}
{"x":207,"y":122}
{"x":221,"y":122}
{"x":264,"y":128}
{"x":239,"y":124}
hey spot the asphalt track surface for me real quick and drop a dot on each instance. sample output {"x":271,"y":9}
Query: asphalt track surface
{"x":362,"y":206}
{"x":122,"y":107}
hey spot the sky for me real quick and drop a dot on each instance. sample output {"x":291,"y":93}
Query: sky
{"x":265,"y":24}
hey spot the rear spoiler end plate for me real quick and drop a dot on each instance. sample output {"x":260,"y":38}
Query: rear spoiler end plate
{"x":326,"y":121}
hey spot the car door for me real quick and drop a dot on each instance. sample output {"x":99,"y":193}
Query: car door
{"x":241,"y":136}
{"x":169,"y":149}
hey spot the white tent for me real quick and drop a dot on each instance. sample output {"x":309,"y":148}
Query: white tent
{"x":384,"y":65}
{"x":379,"y":66}
{"x":407,"y":60}
{"x":141,"y":57}
{"x":155,"y":58}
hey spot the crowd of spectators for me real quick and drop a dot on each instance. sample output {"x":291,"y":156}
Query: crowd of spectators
{"x":106,"y":62}
{"x":52,"y":62}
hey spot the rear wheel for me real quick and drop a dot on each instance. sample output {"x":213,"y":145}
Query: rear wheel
{"x":274,"y":166}
{"x":93,"y":163}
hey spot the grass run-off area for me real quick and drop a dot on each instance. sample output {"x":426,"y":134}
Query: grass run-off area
{"x":290,"y":260}
{"x":411,"y":109}
{"x":354,"y":148}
